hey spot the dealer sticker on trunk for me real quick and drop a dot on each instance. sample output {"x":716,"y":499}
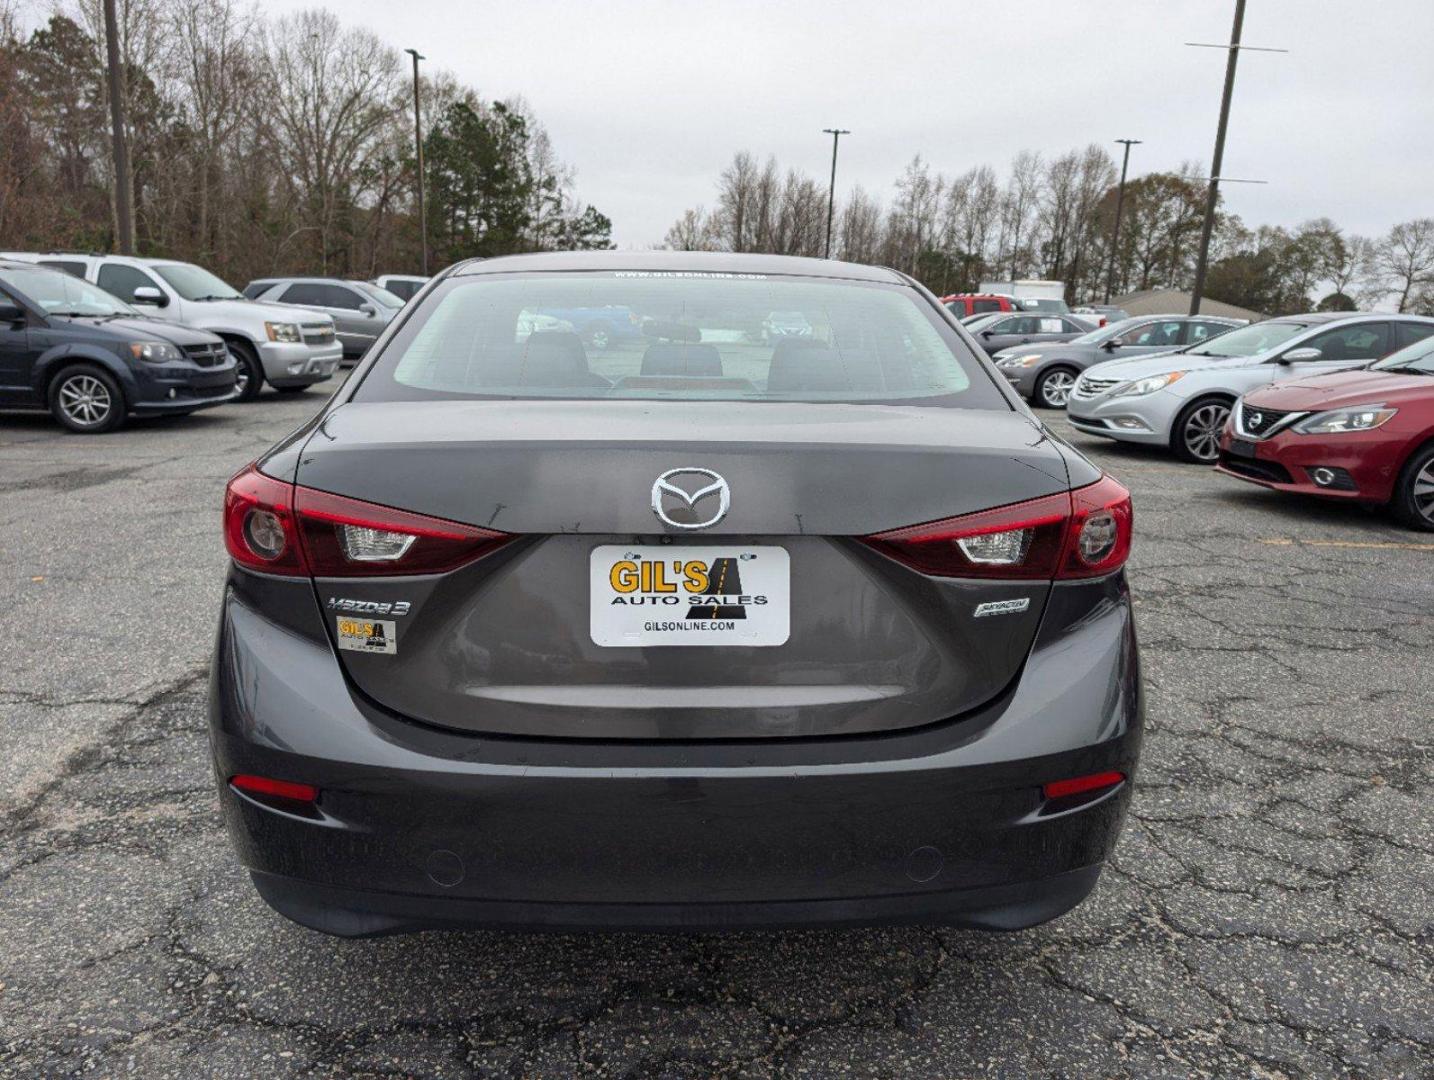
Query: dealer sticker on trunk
{"x":646,"y":595}
{"x":368,"y":635}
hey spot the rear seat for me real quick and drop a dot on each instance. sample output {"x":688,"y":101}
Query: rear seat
{"x":547,"y":358}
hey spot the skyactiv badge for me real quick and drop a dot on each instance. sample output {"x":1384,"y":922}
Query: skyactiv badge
{"x":368,"y":636}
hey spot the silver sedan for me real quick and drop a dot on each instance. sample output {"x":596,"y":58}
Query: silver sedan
{"x":1046,"y":374}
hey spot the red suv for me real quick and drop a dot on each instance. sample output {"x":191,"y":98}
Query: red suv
{"x":963,"y":304}
{"x":1365,"y":435}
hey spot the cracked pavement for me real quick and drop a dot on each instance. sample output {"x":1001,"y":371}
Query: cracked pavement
{"x":1267,"y":914}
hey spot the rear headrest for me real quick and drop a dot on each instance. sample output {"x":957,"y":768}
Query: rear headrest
{"x":553,"y":358}
{"x":800,"y":365}
{"x":681,"y":358}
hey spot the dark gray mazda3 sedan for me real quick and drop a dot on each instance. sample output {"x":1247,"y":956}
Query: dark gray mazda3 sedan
{"x":705,"y":629}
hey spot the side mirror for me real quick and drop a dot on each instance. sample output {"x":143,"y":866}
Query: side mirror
{"x":366,"y":310}
{"x":986,"y":333}
{"x":1299,"y":356}
{"x":1108,"y":345}
{"x":11,"y":313}
{"x":148,"y":294}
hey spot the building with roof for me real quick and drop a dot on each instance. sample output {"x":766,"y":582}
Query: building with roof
{"x":1177,"y":302}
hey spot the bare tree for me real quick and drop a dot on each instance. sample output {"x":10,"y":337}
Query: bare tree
{"x":736,"y":195}
{"x":212,"y":62}
{"x":1018,"y":208}
{"x":1349,"y":267}
{"x":859,"y":228}
{"x":695,"y":230}
{"x":1405,"y":258}
{"x":915,"y":212}
{"x":332,"y":92}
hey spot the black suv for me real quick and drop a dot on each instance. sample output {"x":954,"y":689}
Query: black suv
{"x":91,"y":359}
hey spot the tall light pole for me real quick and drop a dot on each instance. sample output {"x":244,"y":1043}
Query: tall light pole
{"x":1119,"y":206}
{"x":836,"y":134}
{"x":124,"y":213}
{"x":1213,"y":191}
{"x":418,"y":143}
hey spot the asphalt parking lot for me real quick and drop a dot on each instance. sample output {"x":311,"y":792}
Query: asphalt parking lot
{"x":1268,"y":913}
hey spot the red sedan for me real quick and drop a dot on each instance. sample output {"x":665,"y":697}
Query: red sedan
{"x":1366,"y":435}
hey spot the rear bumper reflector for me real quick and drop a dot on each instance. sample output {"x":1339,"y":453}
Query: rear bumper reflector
{"x":1079,"y":785}
{"x":265,"y":787}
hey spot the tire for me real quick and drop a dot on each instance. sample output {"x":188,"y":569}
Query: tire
{"x":598,"y":335}
{"x":250,"y":376}
{"x":86,"y":399}
{"x":1053,"y":388}
{"x":1413,"y":500}
{"x":1196,"y":435}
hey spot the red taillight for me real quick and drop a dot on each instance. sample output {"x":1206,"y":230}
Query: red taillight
{"x":1084,"y":533}
{"x":275,"y":789}
{"x":969,"y":546}
{"x":1079,"y":785}
{"x":259,"y":528}
{"x":279,"y":528}
{"x":349,"y":538}
{"x":1098,"y":539}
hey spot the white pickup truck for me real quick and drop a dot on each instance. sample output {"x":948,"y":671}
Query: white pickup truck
{"x":289,"y":348}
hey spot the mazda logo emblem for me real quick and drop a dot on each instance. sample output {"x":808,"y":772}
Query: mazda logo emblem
{"x":683,"y":498}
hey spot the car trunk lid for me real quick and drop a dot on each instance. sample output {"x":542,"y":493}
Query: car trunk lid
{"x":509,"y":644}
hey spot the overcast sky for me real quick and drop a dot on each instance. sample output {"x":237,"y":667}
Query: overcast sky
{"x":648,"y":100}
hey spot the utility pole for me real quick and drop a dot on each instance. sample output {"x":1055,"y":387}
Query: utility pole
{"x":1119,"y":206}
{"x":1213,"y":192}
{"x":418,"y":143}
{"x":124,"y":212}
{"x":836,"y":134}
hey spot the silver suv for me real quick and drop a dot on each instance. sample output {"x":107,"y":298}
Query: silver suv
{"x":289,"y":348}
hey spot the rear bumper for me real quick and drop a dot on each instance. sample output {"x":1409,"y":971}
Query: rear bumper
{"x":365,"y":913}
{"x":418,"y":827}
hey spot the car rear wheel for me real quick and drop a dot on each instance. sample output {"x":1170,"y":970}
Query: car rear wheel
{"x":1413,"y":501}
{"x":1197,"y":431}
{"x":1053,"y":389}
{"x":87,"y":399}
{"x":249,"y":376}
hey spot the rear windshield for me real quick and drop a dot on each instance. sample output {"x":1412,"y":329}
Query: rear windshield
{"x":688,"y":337}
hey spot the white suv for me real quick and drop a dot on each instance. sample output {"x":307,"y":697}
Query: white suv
{"x":289,"y":348}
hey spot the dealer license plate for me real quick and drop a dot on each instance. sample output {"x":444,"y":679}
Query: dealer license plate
{"x":722,"y":594}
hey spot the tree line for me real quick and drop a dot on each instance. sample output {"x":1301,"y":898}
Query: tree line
{"x":1053,"y":217}
{"x":266,"y":146}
